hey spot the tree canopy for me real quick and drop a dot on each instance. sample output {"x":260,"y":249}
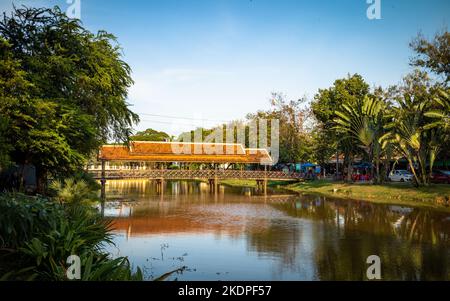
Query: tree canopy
{"x":433,"y":55}
{"x":63,"y":89}
{"x":151,"y":135}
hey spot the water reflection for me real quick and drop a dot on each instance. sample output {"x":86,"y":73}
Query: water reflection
{"x":236,"y":234}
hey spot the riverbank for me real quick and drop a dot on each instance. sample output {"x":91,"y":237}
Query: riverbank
{"x":434,"y":196}
{"x":252,"y":183}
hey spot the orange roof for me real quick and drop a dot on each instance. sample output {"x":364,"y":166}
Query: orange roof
{"x":184,"y":152}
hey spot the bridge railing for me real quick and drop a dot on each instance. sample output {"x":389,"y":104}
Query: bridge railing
{"x":194,"y":174}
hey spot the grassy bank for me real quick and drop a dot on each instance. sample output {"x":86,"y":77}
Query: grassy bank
{"x":252,"y":183}
{"x":435,"y":196}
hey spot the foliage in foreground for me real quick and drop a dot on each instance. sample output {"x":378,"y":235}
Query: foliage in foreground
{"x":37,"y":235}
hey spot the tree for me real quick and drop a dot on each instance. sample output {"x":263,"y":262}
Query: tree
{"x":10,"y":79}
{"x":350,"y":90}
{"x":413,"y":133}
{"x":294,"y":137}
{"x":433,"y":55}
{"x":362,"y":122}
{"x":440,"y":112}
{"x":151,"y":135}
{"x":322,"y":148}
{"x":5,"y":146}
{"x":62,"y":89}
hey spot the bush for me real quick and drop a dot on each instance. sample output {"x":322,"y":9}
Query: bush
{"x":37,"y":235}
{"x":73,"y":192}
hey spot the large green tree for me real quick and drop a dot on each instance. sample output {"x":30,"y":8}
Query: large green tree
{"x":351,"y":91}
{"x":63,"y":90}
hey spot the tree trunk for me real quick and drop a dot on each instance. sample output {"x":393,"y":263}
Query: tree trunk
{"x":378,"y":171}
{"x":411,"y":165}
{"x":41,"y":180}
{"x":371,"y":156}
{"x":423,"y":170}
{"x":377,"y":159}
{"x":337,"y":164}
{"x":349,"y":169}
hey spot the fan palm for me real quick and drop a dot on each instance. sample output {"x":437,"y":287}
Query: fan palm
{"x":363,"y":124}
{"x":441,"y":112}
{"x":418,"y":127}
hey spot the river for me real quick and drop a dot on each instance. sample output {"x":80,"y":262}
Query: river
{"x":236,"y":234}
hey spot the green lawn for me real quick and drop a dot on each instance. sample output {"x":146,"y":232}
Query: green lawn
{"x":435,"y":196}
{"x":252,"y":183}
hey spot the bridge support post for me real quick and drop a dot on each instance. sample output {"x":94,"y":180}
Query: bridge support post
{"x":160,"y":185}
{"x":213,"y":184}
{"x":216,"y":180}
{"x":265,"y":179}
{"x":160,"y":181}
{"x":261,"y":186}
{"x":103,"y":182}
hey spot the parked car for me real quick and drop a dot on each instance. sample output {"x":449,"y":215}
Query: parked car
{"x":440,"y":176}
{"x":401,"y":175}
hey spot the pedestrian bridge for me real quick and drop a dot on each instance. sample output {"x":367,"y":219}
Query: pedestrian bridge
{"x":213,"y":155}
{"x":175,"y":174}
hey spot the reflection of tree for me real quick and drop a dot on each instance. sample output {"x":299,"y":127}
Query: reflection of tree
{"x":421,"y":225}
{"x":279,"y":239}
{"x":412,"y":244}
{"x":425,"y":226}
{"x":310,"y":208}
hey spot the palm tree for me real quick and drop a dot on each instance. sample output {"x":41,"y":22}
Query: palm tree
{"x":404,"y":133}
{"x":419,"y":126}
{"x":363,"y":124}
{"x":441,"y":112}
{"x":419,"y":123}
{"x":439,"y":126}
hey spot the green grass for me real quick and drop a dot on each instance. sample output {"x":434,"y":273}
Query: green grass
{"x":434,"y":196}
{"x":252,"y":183}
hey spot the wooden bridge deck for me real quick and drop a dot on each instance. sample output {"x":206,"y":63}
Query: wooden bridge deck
{"x":176,"y":174}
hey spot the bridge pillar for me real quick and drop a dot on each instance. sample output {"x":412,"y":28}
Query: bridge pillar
{"x":261,"y":186}
{"x":216,"y":179}
{"x":103,"y":182}
{"x":213,"y":184}
{"x":265,"y":186}
{"x":160,"y":185}
{"x":265,"y":179}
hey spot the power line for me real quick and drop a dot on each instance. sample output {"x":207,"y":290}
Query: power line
{"x":167,"y":122}
{"x":186,"y":118}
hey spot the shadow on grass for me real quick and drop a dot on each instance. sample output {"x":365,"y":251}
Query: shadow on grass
{"x":316,"y":184}
{"x":282,"y":182}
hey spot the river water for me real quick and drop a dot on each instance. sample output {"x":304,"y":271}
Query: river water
{"x":236,"y":234}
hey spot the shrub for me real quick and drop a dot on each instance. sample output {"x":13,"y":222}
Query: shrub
{"x":37,"y":236}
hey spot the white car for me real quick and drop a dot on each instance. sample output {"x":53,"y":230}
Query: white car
{"x":400,"y":176}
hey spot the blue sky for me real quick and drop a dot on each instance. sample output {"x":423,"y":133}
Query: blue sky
{"x":220,"y":59}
